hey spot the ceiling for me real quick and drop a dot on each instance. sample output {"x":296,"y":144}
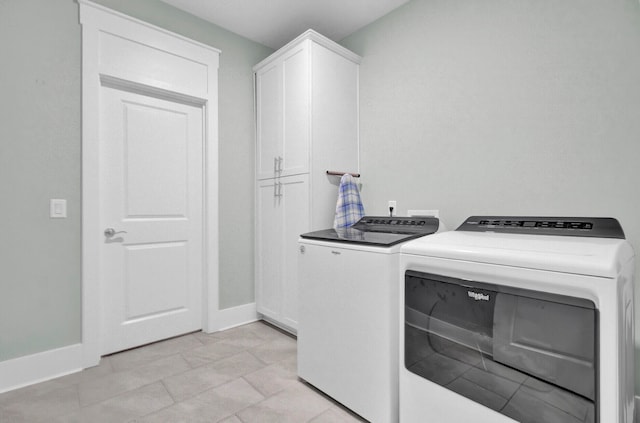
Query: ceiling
{"x":274,"y":23}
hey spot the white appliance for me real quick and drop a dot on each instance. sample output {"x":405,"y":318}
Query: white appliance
{"x":518,"y":319}
{"x":348,"y":315}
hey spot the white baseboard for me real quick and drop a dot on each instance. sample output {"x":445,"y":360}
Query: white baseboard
{"x":236,"y":316}
{"x":22,"y":371}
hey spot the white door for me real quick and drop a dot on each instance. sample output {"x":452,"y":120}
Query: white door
{"x":151,"y":160}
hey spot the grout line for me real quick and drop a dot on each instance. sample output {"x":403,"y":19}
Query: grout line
{"x":169,"y":392}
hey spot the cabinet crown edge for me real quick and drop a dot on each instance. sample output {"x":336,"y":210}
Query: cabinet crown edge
{"x":320,"y":39}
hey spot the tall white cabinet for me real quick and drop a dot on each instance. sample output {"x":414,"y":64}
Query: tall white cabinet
{"x":306,"y":123}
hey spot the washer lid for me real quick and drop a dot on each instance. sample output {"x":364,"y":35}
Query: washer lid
{"x":381,"y":231}
{"x":356,"y":236}
{"x":603,"y":257}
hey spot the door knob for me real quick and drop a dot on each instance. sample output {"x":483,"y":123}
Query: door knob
{"x":109,"y":232}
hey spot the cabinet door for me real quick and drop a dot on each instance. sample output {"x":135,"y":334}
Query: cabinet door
{"x":268,"y":257}
{"x":296,"y":110}
{"x":268,"y":120}
{"x":295,"y":221}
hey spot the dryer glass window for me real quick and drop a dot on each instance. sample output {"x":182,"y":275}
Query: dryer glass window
{"x":526,"y":354}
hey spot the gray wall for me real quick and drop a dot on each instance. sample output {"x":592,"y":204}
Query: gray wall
{"x":40,"y":303}
{"x":503,"y":107}
{"x":39,"y":160}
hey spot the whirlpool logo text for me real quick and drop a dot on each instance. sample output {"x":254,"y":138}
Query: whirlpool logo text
{"x":478,"y":296}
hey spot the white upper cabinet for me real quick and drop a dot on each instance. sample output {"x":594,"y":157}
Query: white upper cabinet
{"x":307,"y":108}
{"x":283,"y":121}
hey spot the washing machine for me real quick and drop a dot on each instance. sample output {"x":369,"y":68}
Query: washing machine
{"x":526,"y":319}
{"x":348,"y":311}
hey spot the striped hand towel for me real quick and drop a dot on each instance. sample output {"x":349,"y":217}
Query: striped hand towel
{"x":349,"y":207}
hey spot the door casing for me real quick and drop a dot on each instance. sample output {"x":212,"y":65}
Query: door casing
{"x":101,"y":63}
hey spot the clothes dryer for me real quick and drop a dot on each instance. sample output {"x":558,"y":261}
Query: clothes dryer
{"x":526,"y":319}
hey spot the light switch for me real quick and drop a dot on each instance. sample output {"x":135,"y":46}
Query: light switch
{"x":57,"y":208}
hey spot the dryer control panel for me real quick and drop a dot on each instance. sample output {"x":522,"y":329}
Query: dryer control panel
{"x":595,"y":227}
{"x":398,"y":224}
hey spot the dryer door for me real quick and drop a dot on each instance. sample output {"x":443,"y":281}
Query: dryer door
{"x":550,"y":340}
{"x":528,"y":355}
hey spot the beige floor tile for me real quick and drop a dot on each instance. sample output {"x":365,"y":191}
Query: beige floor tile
{"x":210,"y":406}
{"x":234,"y":396}
{"x":231,"y":419}
{"x":293,"y":405}
{"x":102,"y":369}
{"x":10,"y":397}
{"x":267,"y":331}
{"x":189,"y":411}
{"x":123,"y":407}
{"x":200,"y":379}
{"x":279,"y":349}
{"x":162,"y":368}
{"x":208,"y":338}
{"x":105,"y":387}
{"x":14,"y":417}
{"x":274,"y":378}
{"x":134,"y":358}
{"x":210,"y":352}
{"x":113,"y":384}
{"x":42,"y":407}
{"x":243,"y":336}
{"x":195,"y":381}
{"x":337,"y":415}
{"x":237,"y":365}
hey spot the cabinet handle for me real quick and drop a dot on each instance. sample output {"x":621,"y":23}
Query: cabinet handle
{"x":275,"y":165}
{"x":277,"y":189}
{"x":280,"y":160}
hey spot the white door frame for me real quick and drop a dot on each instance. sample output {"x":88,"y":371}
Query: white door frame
{"x":98,"y":25}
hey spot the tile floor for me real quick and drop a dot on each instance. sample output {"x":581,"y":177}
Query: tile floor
{"x":245,"y":374}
